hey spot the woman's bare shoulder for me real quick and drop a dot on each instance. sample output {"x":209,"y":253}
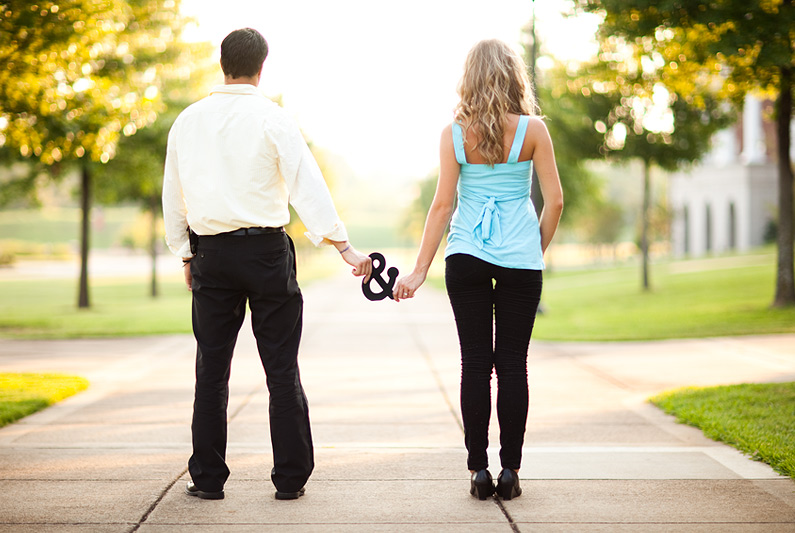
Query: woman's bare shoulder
{"x":536,"y":127}
{"x":536,"y":122}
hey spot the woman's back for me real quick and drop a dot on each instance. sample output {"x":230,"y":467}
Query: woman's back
{"x":472,"y":138}
{"x":495,"y":219}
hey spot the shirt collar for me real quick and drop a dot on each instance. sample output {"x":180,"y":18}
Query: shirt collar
{"x":235,"y":88}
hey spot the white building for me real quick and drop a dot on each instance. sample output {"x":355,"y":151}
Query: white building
{"x":728,"y":201}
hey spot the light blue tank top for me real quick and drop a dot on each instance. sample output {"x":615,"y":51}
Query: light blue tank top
{"x":495,"y":219}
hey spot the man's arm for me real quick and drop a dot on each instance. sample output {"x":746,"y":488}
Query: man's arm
{"x":174,"y":211}
{"x":310,"y":197}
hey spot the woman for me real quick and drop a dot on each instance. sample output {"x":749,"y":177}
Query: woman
{"x":495,"y":248}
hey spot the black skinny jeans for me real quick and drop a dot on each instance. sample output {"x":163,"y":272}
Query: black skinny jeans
{"x":495,"y":309}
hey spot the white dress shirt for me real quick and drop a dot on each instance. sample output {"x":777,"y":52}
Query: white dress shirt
{"x":234,"y":160}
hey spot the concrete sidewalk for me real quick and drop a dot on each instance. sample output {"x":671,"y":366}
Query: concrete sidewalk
{"x":382,"y":381}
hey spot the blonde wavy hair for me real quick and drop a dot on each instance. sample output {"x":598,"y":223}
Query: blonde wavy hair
{"x":494,"y":83}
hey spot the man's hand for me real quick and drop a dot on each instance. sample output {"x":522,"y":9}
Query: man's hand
{"x":362,"y":264}
{"x":188,"y":277}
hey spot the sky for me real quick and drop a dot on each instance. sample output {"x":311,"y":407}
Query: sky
{"x":375,"y":82}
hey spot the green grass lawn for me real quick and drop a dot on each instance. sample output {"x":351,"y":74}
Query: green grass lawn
{"x":24,"y":394}
{"x":723,"y":296}
{"x":61,"y":225}
{"x":47,"y":309}
{"x":757,"y":419}
{"x":119,"y":307}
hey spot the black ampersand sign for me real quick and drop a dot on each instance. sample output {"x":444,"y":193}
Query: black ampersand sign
{"x":386,"y":285}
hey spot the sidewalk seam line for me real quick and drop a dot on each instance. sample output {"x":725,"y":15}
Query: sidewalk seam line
{"x":158,"y":500}
{"x":514,"y":526}
{"x":426,"y":355}
{"x":163,"y":493}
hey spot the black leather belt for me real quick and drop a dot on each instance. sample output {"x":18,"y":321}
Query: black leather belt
{"x":253,"y":231}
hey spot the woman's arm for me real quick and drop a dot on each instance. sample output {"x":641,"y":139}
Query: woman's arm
{"x":548,"y":180}
{"x":438,"y":217}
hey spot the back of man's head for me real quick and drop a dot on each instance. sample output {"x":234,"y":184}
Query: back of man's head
{"x":242,"y":53}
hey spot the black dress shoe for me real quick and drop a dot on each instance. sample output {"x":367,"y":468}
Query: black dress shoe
{"x":289,"y":495}
{"x":192,"y":490}
{"x":482,"y":484}
{"x":508,"y":484}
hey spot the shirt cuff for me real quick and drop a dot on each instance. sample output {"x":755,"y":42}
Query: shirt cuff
{"x":182,"y":250}
{"x":337,"y":233}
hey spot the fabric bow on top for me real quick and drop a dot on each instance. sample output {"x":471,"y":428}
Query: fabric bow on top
{"x":487,"y":226}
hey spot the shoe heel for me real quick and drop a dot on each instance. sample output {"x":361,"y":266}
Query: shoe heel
{"x":482,"y":485}
{"x":508,"y":485}
{"x":507,"y":493}
{"x":483,"y":491}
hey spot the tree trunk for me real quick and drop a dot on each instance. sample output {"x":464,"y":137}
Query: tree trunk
{"x":535,"y":187}
{"x":85,"y":225}
{"x":153,"y":210}
{"x":644,"y":229}
{"x":785,"y":286}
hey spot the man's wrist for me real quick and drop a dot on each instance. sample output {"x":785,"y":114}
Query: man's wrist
{"x":341,"y":246}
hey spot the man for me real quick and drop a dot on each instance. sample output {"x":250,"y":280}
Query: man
{"x":233,"y":161}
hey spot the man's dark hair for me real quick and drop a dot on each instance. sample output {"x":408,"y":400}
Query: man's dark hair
{"x":243,"y":52}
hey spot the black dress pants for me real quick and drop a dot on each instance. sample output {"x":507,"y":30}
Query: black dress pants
{"x":495,"y":309}
{"x":227,"y":271}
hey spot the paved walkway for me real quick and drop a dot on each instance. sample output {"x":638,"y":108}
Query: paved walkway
{"x":382,"y":380}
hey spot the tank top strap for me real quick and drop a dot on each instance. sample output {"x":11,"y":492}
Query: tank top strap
{"x":458,"y":144}
{"x":518,"y":140}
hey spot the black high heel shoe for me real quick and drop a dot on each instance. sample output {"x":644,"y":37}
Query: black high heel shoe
{"x":482,"y":484}
{"x":508,"y":484}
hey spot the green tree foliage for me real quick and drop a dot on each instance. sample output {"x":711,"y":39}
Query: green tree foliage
{"x":750,"y":44}
{"x":136,"y":173}
{"x":622,"y":94}
{"x":571,"y":130}
{"x":567,"y":116}
{"x":75,"y":76}
{"x":55,"y":98}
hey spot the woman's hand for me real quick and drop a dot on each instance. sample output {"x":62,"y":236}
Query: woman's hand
{"x":362,"y":264}
{"x":408,"y":285}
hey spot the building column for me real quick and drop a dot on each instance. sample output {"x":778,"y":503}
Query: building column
{"x":753,"y":135}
